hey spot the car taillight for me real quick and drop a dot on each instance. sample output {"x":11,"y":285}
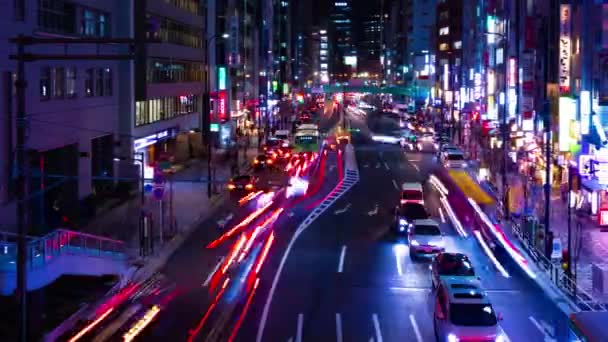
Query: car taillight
{"x":249,"y":186}
{"x":403,"y":201}
{"x":256,"y":161}
{"x":287,"y":155}
{"x":269,"y":161}
{"x":231,"y":186}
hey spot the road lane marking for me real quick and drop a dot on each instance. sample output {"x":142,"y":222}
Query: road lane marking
{"x":416,"y":330}
{"x":398,"y":257}
{"x":386,"y":167}
{"x":300,"y":326}
{"x":441,"y":215}
{"x":338,"y":327}
{"x":377,"y":328}
{"x":341,"y":261}
{"x":343,"y":188}
{"x":416,"y":167}
{"x":395,"y":184}
{"x":541,"y":328}
{"x":208,"y":279}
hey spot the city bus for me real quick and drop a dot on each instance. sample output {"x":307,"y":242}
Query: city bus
{"x":588,"y":326}
{"x":306,"y":140}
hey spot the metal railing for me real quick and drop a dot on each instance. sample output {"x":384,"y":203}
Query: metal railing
{"x":44,"y":250}
{"x":567,"y":285}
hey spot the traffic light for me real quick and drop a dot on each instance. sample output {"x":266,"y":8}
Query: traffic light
{"x":566,"y":260}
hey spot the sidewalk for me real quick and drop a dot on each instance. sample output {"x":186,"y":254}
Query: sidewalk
{"x":589,"y":243}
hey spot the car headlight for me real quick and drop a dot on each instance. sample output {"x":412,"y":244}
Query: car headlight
{"x":452,"y":338}
{"x":402,"y":222}
{"x":501,"y":337}
{"x":401,"y":228}
{"x":414,"y":243}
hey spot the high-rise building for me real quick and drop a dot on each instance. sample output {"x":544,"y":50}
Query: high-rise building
{"x":343,"y":57}
{"x":73,"y":108}
{"x":370,"y":44}
{"x":448,"y":47}
{"x":420,"y":51}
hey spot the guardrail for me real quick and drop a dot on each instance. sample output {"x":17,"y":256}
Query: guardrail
{"x":43,"y":250}
{"x":567,"y":285}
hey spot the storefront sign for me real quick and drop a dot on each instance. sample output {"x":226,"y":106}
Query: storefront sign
{"x":527,"y":85}
{"x":221,"y":105}
{"x":584,"y":161}
{"x":585,"y":111}
{"x":512,"y":71}
{"x":567,"y":112}
{"x":152,"y":139}
{"x":603,"y":217}
{"x":477,"y":89}
{"x":221,"y":78}
{"x":565,"y":48}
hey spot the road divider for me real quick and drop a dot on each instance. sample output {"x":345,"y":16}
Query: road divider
{"x":453,"y":218}
{"x":490,"y":255}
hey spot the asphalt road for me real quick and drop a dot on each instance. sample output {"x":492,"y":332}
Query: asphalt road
{"x":348,"y":278}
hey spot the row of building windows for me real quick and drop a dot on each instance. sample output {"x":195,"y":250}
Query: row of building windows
{"x":61,"y":82}
{"x":64,"y":17}
{"x":165,"y":71}
{"x":150,"y":111}
{"x":170,"y":31}
{"x":192,"y":6}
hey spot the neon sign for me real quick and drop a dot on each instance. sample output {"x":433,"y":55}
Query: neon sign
{"x":221,"y":106}
{"x":564,"y":49}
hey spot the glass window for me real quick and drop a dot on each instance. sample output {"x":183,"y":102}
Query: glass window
{"x":104,"y":27}
{"x":58,"y":82}
{"x":443,"y":46}
{"x":94,"y":23}
{"x":444,"y":31}
{"x":427,"y":230}
{"x":107,"y":81}
{"x":99,"y":82}
{"x":89,"y":83}
{"x":70,"y":82}
{"x":45,"y":83}
{"x":472,"y":315}
{"x":89,"y":27}
{"x":57,"y":16}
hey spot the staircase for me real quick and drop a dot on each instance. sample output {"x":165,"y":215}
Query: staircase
{"x":61,"y":252}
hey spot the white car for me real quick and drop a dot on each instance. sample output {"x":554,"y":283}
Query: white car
{"x":425,"y":238}
{"x":453,"y":159}
{"x":463,"y":312}
{"x":411,"y":192}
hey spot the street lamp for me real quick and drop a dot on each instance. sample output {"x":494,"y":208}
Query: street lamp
{"x":206,"y":112}
{"x":142,"y":198}
{"x":505,"y":131}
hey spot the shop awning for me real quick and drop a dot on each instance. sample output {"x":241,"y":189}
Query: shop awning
{"x":592,"y":185}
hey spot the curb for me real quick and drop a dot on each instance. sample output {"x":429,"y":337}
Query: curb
{"x":137,"y":274}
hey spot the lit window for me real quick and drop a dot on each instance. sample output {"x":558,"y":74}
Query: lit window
{"x":444,"y":31}
{"x":458,"y":44}
{"x":443,"y":47}
{"x":45,"y":83}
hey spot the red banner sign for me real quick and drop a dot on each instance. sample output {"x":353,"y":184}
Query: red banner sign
{"x":221,"y":106}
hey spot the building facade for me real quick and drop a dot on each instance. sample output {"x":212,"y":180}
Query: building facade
{"x":342,"y":54}
{"x":72,"y":107}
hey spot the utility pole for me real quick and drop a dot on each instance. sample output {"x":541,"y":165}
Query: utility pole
{"x":22,"y":189}
{"x":22,"y":173}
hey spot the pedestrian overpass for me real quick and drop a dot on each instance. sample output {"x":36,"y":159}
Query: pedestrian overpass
{"x":61,"y":252}
{"x":408,"y":91}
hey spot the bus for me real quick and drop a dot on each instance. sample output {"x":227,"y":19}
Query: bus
{"x":588,"y":326}
{"x":306,"y":140}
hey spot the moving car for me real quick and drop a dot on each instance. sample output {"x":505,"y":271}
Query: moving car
{"x":282,"y":134}
{"x":411,"y":193}
{"x":425,"y":238}
{"x":463,"y":312}
{"x":406,"y":214}
{"x":425,"y":143}
{"x":450,"y":265}
{"x":272,"y":144}
{"x":243,"y":183}
{"x":261,"y":162}
{"x":453,"y":159}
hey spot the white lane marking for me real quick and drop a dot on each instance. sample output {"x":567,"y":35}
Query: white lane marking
{"x":300,"y":326}
{"x":290,"y":339}
{"x":341,"y":261}
{"x":395,"y":184}
{"x":416,"y":329}
{"x":377,"y":328}
{"x":386,"y":167}
{"x":338,"y":327}
{"x":441,"y":215}
{"x":208,"y":279}
{"x":540,"y":327}
{"x":416,"y":167}
{"x":374,"y":211}
{"x":303,"y":226}
{"x":398,"y":257}
{"x":343,"y":210}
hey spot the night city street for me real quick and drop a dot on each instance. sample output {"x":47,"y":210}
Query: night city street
{"x":304,"y":170}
